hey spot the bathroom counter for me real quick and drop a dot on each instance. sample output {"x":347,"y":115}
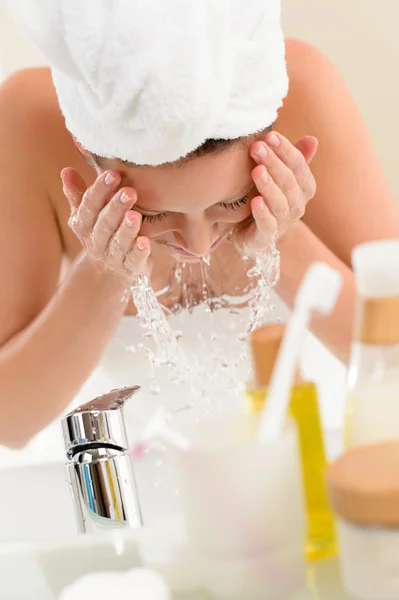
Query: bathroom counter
{"x":30,"y":572}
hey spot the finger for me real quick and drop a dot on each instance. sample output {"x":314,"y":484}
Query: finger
{"x":111,"y":217}
{"x":308,"y":146}
{"x":272,"y":194}
{"x":266,"y":222}
{"x":136,"y":260}
{"x":278,"y":155}
{"x":74,"y":186}
{"x":124,"y":239}
{"x":95,"y":198}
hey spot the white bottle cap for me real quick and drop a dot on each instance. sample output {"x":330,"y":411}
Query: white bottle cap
{"x":376,"y":267}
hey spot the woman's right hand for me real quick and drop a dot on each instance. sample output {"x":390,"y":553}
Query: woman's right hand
{"x":102,"y":219}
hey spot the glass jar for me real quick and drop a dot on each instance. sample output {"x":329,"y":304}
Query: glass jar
{"x":364,"y":492}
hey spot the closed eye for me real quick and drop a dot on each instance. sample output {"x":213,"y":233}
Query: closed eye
{"x":153,"y":218}
{"x":235,"y":205}
{"x":226,"y":205}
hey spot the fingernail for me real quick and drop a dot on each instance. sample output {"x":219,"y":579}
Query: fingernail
{"x":140,"y":244}
{"x":273,"y":140}
{"x":125,"y":198}
{"x":261,"y":152}
{"x":264,"y":176}
{"x":130,"y":219}
{"x":110,"y":179}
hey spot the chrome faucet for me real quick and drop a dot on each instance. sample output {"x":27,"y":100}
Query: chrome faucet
{"x":99,"y":467}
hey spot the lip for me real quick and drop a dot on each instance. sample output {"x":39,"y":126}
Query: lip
{"x":181,"y":251}
{"x":222,"y":237}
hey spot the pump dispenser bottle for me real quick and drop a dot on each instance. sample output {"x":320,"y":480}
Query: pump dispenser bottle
{"x":372,"y":410}
{"x":265,"y":343}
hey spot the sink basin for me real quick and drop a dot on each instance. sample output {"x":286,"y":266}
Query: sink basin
{"x":36,"y":513}
{"x":35,"y":503}
{"x":29,"y":571}
{"x":32,"y":570}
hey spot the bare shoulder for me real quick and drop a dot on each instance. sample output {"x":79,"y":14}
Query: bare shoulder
{"x":303,"y":58}
{"x":29,"y":108}
{"x":350,"y":179}
{"x":30,"y":271}
{"x":28,"y":97}
{"x":317,"y":93}
{"x":37,"y":141}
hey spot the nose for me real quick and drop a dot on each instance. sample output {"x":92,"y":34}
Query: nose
{"x":198,"y":236}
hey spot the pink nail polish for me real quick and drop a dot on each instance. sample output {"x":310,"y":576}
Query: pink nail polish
{"x":273,"y":140}
{"x":261,"y":152}
{"x":264,"y":176}
{"x":110,"y":179}
{"x":125,"y":198}
{"x":129,"y":219}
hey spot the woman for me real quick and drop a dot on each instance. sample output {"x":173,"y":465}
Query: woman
{"x":113,"y":218}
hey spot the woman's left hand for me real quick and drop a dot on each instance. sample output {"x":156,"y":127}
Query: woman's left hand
{"x":285,"y":184}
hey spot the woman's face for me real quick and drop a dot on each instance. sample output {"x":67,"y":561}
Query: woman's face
{"x":189,"y":208}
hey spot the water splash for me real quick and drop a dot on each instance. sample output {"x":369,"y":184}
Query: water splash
{"x":153,"y":319}
{"x":188,"y":287}
{"x":267,"y":273}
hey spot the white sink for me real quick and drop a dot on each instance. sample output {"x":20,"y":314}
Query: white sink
{"x":41,"y":570}
{"x":35,"y":503}
{"x":36,"y":512}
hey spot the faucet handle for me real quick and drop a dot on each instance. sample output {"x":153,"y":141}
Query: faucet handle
{"x":100,"y":421}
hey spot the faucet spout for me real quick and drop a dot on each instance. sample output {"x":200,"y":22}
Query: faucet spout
{"x":99,"y":467}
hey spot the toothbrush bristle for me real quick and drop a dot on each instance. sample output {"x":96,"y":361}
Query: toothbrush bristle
{"x":320,"y":288}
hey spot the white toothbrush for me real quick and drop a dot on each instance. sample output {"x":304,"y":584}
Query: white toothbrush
{"x":319,"y":292}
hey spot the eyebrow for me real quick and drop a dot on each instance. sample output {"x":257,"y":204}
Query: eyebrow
{"x":244,"y":192}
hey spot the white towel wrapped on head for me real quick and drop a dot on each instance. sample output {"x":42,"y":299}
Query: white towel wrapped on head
{"x":148,"y":81}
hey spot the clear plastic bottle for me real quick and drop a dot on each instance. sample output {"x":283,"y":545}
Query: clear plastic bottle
{"x":304,"y":408}
{"x":372,"y":410}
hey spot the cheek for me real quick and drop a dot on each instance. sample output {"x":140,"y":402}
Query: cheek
{"x":153,"y":230}
{"x":234,"y":216}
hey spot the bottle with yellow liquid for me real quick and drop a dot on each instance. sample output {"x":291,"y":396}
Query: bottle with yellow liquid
{"x":304,"y":408}
{"x":372,"y":410}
